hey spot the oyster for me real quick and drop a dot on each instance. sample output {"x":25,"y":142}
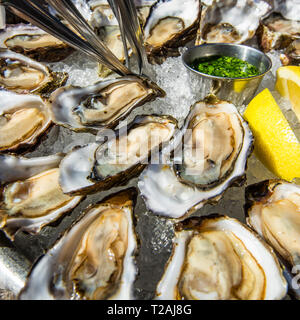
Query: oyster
{"x":18,"y":168}
{"x":291,"y":55}
{"x":30,"y":194}
{"x":281,"y":27}
{"x":290,"y":9}
{"x":23,"y":119}
{"x":209,"y":156}
{"x":125,"y":154}
{"x":24,"y":75}
{"x":230,"y":21}
{"x":143,"y":8}
{"x":94,"y":260}
{"x":103,"y":104}
{"x":101,"y":14}
{"x":34,"y":43}
{"x":273,"y":211}
{"x":171,"y":24}
{"x":103,"y":20}
{"x":218,"y":258}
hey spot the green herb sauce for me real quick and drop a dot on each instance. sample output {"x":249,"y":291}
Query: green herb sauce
{"x":223,"y":66}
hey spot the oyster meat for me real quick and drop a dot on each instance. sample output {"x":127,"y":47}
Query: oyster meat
{"x":34,"y":43}
{"x":277,"y":32}
{"x":209,"y":156}
{"x":31,"y":197}
{"x":171,"y":24}
{"x":273,"y":211}
{"x":101,"y":14}
{"x":143,"y":8}
{"x":94,"y":260}
{"x":103,"y":104}
{"x":230,"y":21}
{"x":21,"y":74}
{"x":23,"y":119}
{"x":218,"y":258}
{"x":103,"y":20}
{"x":125,"y":154}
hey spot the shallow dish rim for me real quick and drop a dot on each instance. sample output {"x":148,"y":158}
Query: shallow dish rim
{"x":188,"y":50}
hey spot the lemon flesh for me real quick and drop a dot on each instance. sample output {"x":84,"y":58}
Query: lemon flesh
{"x":288,"y":85}
{"x":276,"y":145}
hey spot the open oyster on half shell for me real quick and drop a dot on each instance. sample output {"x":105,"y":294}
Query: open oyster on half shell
{"x":209,"y":155}
{"x":104,"y":22}
{"x":23,"y":120}
{"x":273,"y":211}
{"x":170,"y":24}
{"x":94,"y":260}
{"x":34,"y":43}
{"x":230,"y":21}
{"x":31,"y":197}
{"x":21,"y":74}
{"x":102,"y":105}
{"x":218,"y":258}
{"x":97,"y":167}
{"x":143,"y":8}
{"x":278,"y":30}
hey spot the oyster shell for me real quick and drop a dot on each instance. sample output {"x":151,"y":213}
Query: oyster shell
{"x":94,"y":260}
{"x":34,"y":43}
{"x":23,"y":75}
{"x":19,"y":168}
{"x":171,"y":24}
{"x":272,"y":210}
{"x":101,"y":14}
{"x":218,"y":258}
{"x":276,"y":32}
{"x":23,"y":119}
{"x":291,"y":56}
{"x":289,"y":9}
{"x":230,"y":21}
{"x":213,"y":156}
{"x":31,"y":197}
{"x":111,"y":36}
{"x":125,"y":154}
{"x":103,"y":20}
{"x":143,"y":8}
{"x":103,"y":104}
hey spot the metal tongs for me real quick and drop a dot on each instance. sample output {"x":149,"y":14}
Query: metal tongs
{"x":36,"y":12}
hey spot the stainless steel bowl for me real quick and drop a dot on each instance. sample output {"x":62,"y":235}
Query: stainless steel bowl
{"x":239,"y":91}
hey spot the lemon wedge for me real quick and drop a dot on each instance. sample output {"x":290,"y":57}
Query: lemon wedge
{"x":275,"y":144}
{"x":288,"y":85}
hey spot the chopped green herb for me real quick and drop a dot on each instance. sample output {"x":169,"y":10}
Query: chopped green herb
{"x":223,"y":66}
